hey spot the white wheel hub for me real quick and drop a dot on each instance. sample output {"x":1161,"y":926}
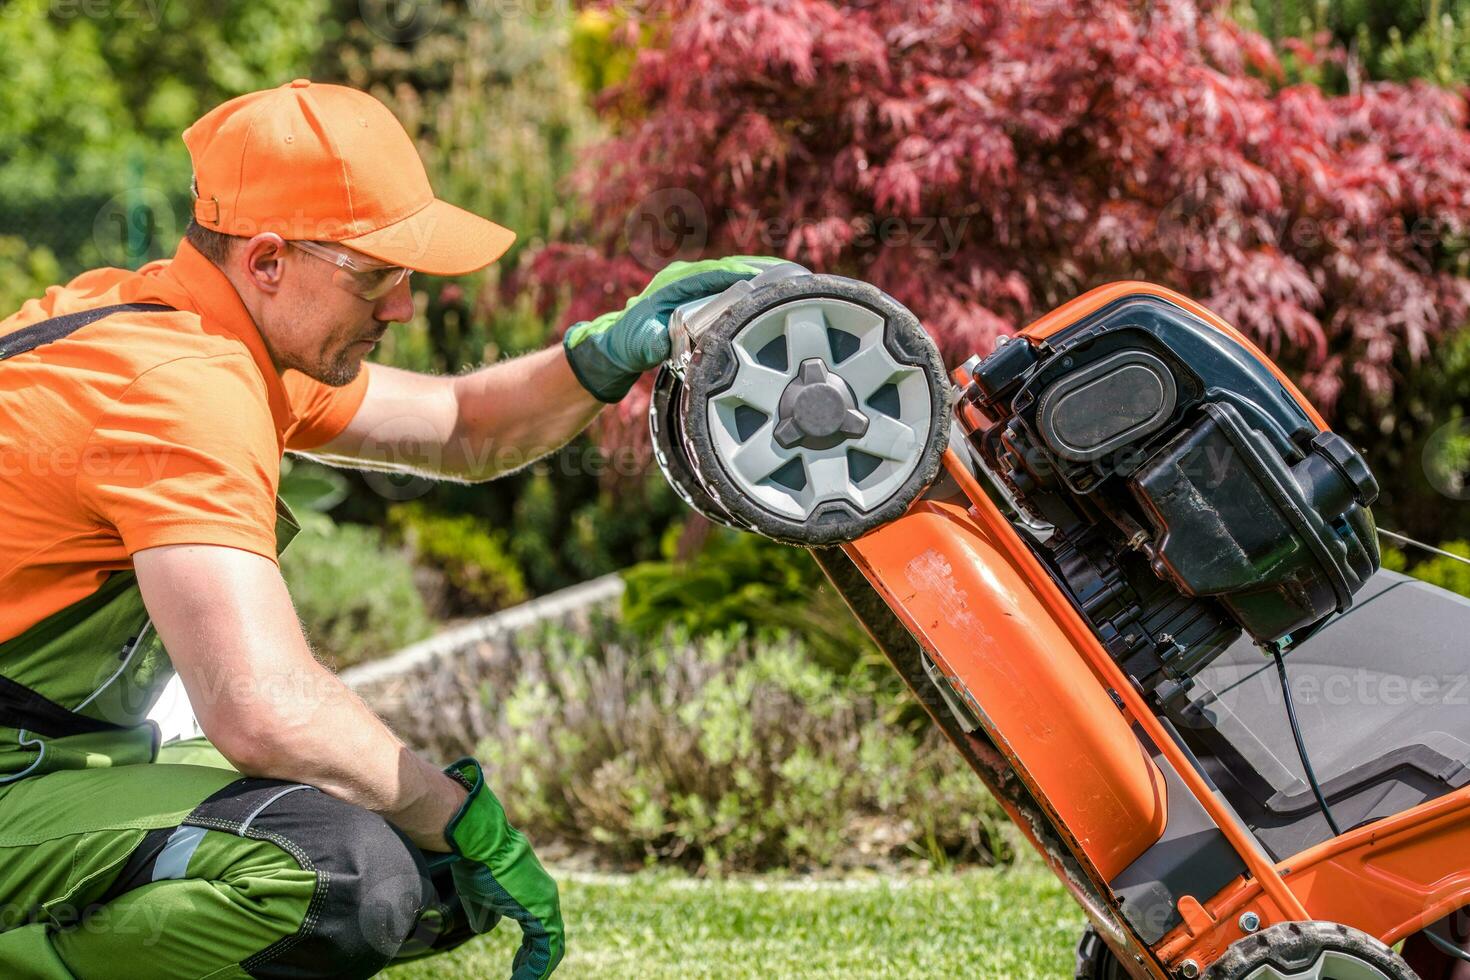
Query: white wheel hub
{"x":819,"y":410}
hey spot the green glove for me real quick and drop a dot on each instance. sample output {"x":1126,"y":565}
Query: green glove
{"x":497,"y":874}
{"x":609,"y":353}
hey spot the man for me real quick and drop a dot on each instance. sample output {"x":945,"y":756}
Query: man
{"x":142,"y":421}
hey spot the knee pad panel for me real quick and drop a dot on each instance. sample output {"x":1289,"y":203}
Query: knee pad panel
{"x":371,"y":882}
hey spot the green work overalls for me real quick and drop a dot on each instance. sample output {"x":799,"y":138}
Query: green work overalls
{"x":122,"y":858}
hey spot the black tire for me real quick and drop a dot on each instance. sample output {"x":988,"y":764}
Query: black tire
{"x":1095,"y":961}
{"x":663,"y":422}
{"x":714,"y":370}
{"x":1295,"y":946}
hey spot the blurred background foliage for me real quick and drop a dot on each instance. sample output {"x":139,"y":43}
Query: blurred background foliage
{"x":509,"y":102}
{"x":1447,"y":573}
{"x":92,"y":169}
{"x":1397,"y":40}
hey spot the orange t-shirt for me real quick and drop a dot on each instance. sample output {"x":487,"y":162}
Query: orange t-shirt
{"x":143,"y":429}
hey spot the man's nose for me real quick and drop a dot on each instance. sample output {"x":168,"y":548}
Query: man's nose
{"x":397,"y":305}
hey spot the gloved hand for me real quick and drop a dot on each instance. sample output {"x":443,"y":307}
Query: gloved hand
{"x":609,"y":353}
{"x":497,"y":874}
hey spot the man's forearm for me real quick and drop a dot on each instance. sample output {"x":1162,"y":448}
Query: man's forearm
{"x":269,"y":707}
{"x":473,"y":427}
{"x":514,"y":412}
{"x":325,"y":736}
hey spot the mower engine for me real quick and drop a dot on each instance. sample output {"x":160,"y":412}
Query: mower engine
{"x":1173,"y":485}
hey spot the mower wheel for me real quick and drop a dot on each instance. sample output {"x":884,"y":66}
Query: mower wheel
{"x":1309,"y":951}
{"x":1095,"y":961}
{"x":817,"y":410}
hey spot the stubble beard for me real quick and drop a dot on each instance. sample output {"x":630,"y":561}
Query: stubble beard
{"x":336,"y":367}
{"x":331,"y":369}
{"x":338,"y":371}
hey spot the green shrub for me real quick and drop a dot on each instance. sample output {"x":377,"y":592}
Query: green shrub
{"x":738,"y":579}
{"x":91,"y":164}
{"x":25,"y":272}
{"x":309,"y":488}
{"x":1398,"y":40}
{"x":570,"y":528}
{"x":1447,"y":455}
{"x":1447,"y":573}
{"x":720,"y":754}
{"x":534,"y":543}
{"x":598,"y":61}
{"x":355,"y":594}
{"x":473,"y":558}
{"x":621,"y":525}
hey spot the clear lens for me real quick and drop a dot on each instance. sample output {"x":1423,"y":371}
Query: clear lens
{"x":371,"y":282}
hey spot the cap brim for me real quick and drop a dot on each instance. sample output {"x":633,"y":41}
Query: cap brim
{"x":439,"y":240}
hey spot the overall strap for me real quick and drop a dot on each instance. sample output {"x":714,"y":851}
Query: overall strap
{"x":21,"y":707}
{"x":44,"y":332}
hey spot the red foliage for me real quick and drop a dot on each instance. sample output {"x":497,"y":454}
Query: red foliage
{"x":985,"y":161}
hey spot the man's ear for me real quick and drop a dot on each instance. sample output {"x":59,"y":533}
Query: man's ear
{"x":261,"y":260}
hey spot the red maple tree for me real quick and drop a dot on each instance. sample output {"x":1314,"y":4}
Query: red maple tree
{"x":985,"y":161}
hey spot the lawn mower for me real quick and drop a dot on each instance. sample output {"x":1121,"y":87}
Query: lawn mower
{"x":1133,"y":575}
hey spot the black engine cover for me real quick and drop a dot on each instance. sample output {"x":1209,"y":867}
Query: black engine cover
{"x":1149,"y":439}
{"x":1233,"y":521}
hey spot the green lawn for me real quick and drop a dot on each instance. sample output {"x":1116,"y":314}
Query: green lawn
{"x":994,"y":924}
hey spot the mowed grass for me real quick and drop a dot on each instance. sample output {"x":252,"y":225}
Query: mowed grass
{"x":1010,"y":924}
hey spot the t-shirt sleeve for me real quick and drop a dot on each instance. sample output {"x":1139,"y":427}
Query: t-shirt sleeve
{"x":187,"y":455}
{"x":322,"y":412}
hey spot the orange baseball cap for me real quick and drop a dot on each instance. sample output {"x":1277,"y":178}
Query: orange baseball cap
{"x":327,"y":163}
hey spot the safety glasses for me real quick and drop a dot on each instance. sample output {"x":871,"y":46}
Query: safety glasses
{"x":369,"y":280}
